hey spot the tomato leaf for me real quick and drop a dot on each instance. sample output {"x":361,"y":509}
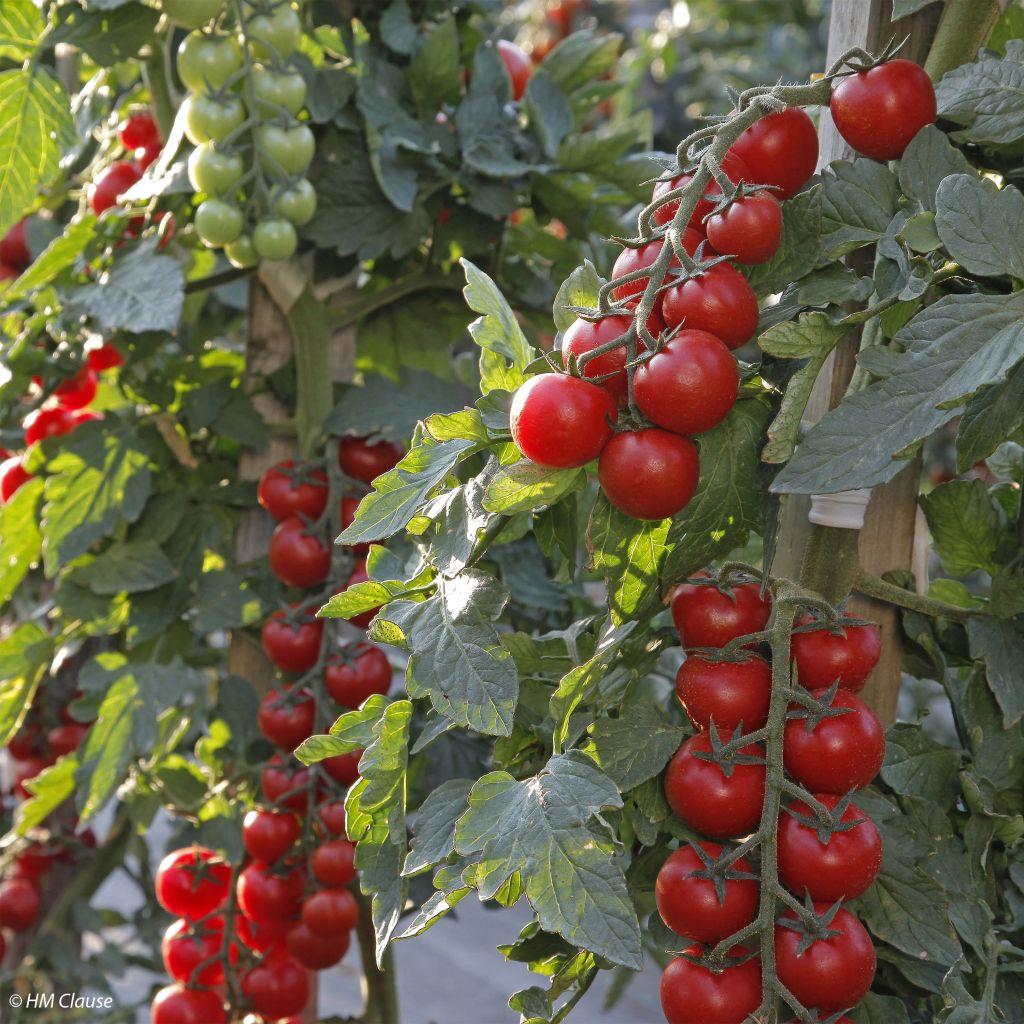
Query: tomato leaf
{"x":919,"y":766}
{"x":581,"y":289}
{"x":927,"y":162}
{"x":25,"y":655}
{"x":550,"y":114}
{"x":22,"y":542}
{"x":433,"y":74}
{"x":434,"y":830}
{"x":989,"y":418}
{"x":21,"y":27}
{"x":999,"y":643}
{"x":634,"y":747}
{"x":981,"y":225}
{"x":524,"y":486}
{"x":126,"y":567}
{"x":986,"y":98}
{"x":965,"y":526}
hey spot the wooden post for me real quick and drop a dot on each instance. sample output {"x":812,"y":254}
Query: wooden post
{"x":887,"y":540}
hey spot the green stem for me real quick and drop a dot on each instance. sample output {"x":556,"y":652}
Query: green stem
{"x":831,"y":561}
{"x":380,"y":994}
{"x":874,"y":586}
{"x":307,"y":321}
{"x":154,"y":74}
{"x":963,"y":30}
{"x":353,"y":312}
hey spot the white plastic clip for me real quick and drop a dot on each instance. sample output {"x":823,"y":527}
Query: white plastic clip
{"x":844,"y":509}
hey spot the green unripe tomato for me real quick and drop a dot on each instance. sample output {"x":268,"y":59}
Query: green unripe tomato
{"x":274,"y":239}
{"x":276,"y":89}
{"x":212,"y":171}
{"x":274,"y":35}
{"x":297,"y":203}
{"x":209,"y":59}
{"x":241,"y":252}
{"x":285,"y":151}
{"x":218,"y":222}
{"x":211,"y":118}
{"x":191,"y":13}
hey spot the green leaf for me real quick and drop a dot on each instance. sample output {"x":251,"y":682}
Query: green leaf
{"x":143,"y":293}
{"x":22,"y":542}
{"x":876,"y":1009}
{"x":21,"y":28}
{"x":926,"y":162}
{"x":990,"y":417}
{"x":109,"y":37}
{"x":25,"y":654}
{"x":363,"y":597}
{"x":581,"y":58}
{"x":57,"y":256}
{"x":916,"y":765}
{"x":634,"y":747}
{"x":857,"y":204}
{"x":397,"y":28}
{"x":999,"y":643}
{"x":35,"y":121}
{"x":524,"y":486}
{"x":965,"y":526}
{"x":433,"y":839}
{"x":456,"y":658}
{"x":580,"y":288}
{"x":433,"y":73}
{"x":954,"y":347}
{"x":127,"y":567}
{"x":353,"y":731}
{"x":49,"y":789}
{"x":986,"y":98}
{"x":981,"y":225}
{"x":549,"y":830}
{"x":224,"y":600}
{"x":549,"y":110}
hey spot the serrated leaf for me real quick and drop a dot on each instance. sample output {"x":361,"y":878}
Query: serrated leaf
{"x":999,"y":643}
{"x":634,"y":747}
{"x":22,"y":541}
{"x":965,"y":526}
{"x":25,"y":655}
{"x":990,"y":417}
{"x":981,"y":225}
{"x":549,"y":110}
{"x":58,"y":255}
{"x":127,"y":567}
{"x":433,"y":73}
{"x":580,"y":289}
{"x":916,"y":765}
{"x":524,"y":486}
{"x":110,"y":36}
{"x":49,"y":789}
{"x":433,"y":838}
{"x":143,"y":293}
{"x":986,"y":98}
{"x":21,"y":27}
{"x":876,"y":1009}
{"x":926,"y":162}
{"x":581,"y":58}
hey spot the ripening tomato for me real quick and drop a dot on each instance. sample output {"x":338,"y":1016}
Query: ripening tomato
{"x":847,"y":657}
{"x":561,"y":421}
{"x":269,"y":835}
{"x":833,"y":973}
{"x":708,"y":617}
{"x":12,"y":476}
{"x":781,"y":150}
{"x":631,"y":260}
{"x":278,"y":987}
{"x":138,"y":130}
{"x":287,"y":718}
{"x":44,"y":423}
{"x":689,"y":386}
{"x":517,"y":64}
{"x":77,"y":392}
{"x":841,"y":753}
{"x":735,"y":170}
{"x":192,"y":882}
{"x":363,"y":461}
{"x":20,"y":901}
{"x":343,"y":768}
{"x":316,"y":951}
{"x":285,"y":493}
{"x":718,"y":300}
{"x":66,"y":738}
{"x":329,"y":911}
{"x":688,"y":899}
{"x":705,"y":798}
{"x":26,"y":742}
{"x":103,"y":357}
{"x":186,"y":945}
{"x":297,"y":557}
{"x":693,"y":994}
{"x":649,"y":474}
{"x":749,"y":229}
{"x":364,"y":671}
{"x":878,"y":111}
{"x":727,"y":693}
{"x":174,"y":1004}
{"x":148,"y":155}
{"x":105,"y":191}
{"x":293,"y":646}
{"x":14,"y":247}
{"x":285,"y":783}
{"x":333,"y":863}
{"x":205,"y":59}
{"x":330,"y":818}
{"x":268,"y":894}
{"x":840,"y":868}
{"x":260,"y":937}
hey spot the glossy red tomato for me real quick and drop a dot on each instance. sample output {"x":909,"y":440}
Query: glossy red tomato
{"x":735,"y":170}
{"x":333,"y":863}
{"x":192,"y":882}
{"x":284,"y":495}
{"x":12,"y":476}
{"x":7,"y":272}
{"x":86,"y":416}
{"x":147,"y":155}
{"x":329,"y":911}
{"x":348,"y":517}
{"x":285,"y":719}
{"x":343,"y":768}
{"x":360,"y":575}
{"x":780,"y":149}
{"x":138,"y":130}
{"x":278,"y":987}
{"x":630,"y":260}
{"x":749,"y":229}
{"x":174,"y":1004}
{"x":112,"y":184}
{"x":880,"y":110}
{"x":19,"y":903}
{"x":363,"y":461}
{"x":841,"y":753}
{"x":66,"y":738}
{"x":285,"y":784}
{"x":561,"y":421}
{"x":104,"y":357}
{"x":517,"y":64}
{"x":260,"y":937}
{"x":297,"y":557}
{"x":26,"y":742}
{"x":584,"y":336}
{"x":649,"y":474}
{"x":832,"y":974}
{"x":725,"y":692}
{"x":719,"y":301}
{"x":292,"y":646}
{"x":44,"y":423}
{"x":186,"y":946}
{"x":688,"y":900}
{"x":363,"y":672}
{"x":77,"y":392}
{"x":707,"y":800}
{"x":689,"y":386}
{"x":316,"y":951}
{"x":823,"y":658}
{"x":36,"y":859}
{"x":269,"y":835}
{"x":692,"y":994}
{"x":331,"y":818}
{"x":842,"y":867}
{"x":708,"y":617}
{"x":268,"y":893}
{"x":14,"y":247}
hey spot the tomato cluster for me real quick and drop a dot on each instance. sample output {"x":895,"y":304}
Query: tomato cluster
{"x":827,"y":849}
{"x":634,"y":395}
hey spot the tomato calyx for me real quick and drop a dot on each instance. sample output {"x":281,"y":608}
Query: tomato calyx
{"x":733,"y":957}
{"x":826,"y":819}
{"x":700,"y":264}
{"x":727,"y":749}
{"x":811,"y":925}
{"x":817,"y":709}
{"x":719,"y":870}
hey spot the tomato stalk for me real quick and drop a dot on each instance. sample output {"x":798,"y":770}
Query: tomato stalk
{"x":964,"y":28}
{"x":882,"y":590}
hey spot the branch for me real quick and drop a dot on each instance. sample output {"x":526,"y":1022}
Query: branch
{"x":874,"y":586}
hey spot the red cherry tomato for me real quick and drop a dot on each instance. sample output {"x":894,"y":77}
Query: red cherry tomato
{"x":148,"y":155}
{"x":725,"y":692}
{"x":780,"y":149}
{"x":14,"y":248}
{"x":138,"y":130}
{"x":77,"y":392}
{"x":331,"y":818}
{"x":12,"y":476}
{"x":85,"y":416}
{"x":176,"y":1005}
{"x":344,"y":768}
{"x":329,"y":911}
{"x":518,"y":65}
{"x":689,"y":386}
{"x":841,"y":753}
{"x":187,"y":945}
{"x":363,"y":461}
{"x":278,"y":987}
{"x":297,"y":557}
{"x":351,"y":682}
{"x":269,"y":835}
{"x":360,"y":575}
{"x":707,"y":800}
{"x":333,"y":863}
{"x":584,"y":336}
{"x":192,"y":882}
{"x":269,"y":894}
{"x":7,"y":272}
{"x":314,"y":951}
{"x":348,"y":517}
{"x":44,"y":423}
{"x":292,"y":646}
{"x":285,"y":783}
{"x":749,"y":229}
{"x":285,"y":719}
{"x":260,"y":937}
{"x":692,"y":994}
{"x":630,"y":260}
{"x":880,"y":110}
{"x":284,"y":496}
{"x":26,"y":742}
{"x":36,"y":860}
{"x":832,"y":974}
{"x":842,"y":867}
{"x":823,"y":658}
{"x":719,"y":301}
{"x":561,"y":421}
{"x":19,"y":904}
{"x":66,"y":738}
{"x":105,"y":191}
{"x":103,"y":357}
{"x":649,"y":474}
{"x":708,"y":617}
{"x":688,"y":900}
{"x":735,"y":170}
